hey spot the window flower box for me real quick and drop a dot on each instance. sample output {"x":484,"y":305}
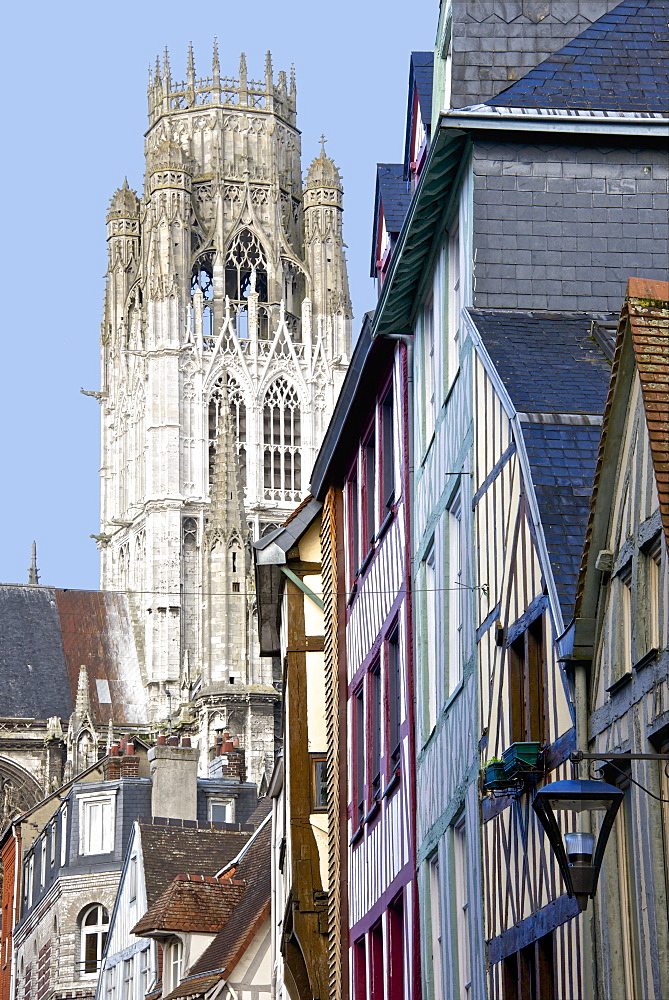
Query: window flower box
{"x":521,"y":758}
{"x":494,"y":775}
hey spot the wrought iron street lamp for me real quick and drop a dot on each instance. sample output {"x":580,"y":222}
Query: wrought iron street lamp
{"x":578,"y":854}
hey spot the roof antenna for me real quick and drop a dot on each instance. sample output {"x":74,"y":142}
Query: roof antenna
{"x":33,"y":572}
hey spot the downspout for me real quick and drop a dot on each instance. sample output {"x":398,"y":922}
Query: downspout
{"x":408,"y":340}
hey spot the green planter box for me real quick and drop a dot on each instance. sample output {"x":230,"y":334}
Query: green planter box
{"x":495,"y":776}
{"x":521,"y":758}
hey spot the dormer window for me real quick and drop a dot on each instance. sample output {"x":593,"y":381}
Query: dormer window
{"x":96,"y":823}
{"x":172,"y":961}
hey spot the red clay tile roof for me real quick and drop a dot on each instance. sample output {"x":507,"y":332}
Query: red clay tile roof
{"x":192,"y":903}
{"x":170,"y":850}
{"x":253,"y":908}
{"x":647,"y":308}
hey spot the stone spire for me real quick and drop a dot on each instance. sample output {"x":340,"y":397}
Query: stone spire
{"x":33,"y":572}
{"x":82,"y":705}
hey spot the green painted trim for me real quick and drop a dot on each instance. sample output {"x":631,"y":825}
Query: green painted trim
{"x":303,"y":587}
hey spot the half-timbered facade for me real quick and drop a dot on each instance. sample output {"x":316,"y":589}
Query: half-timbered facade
{"x":620,"y":642}
{"x":290,"y":612}
{"x":362,"y":475}
{"x":492,"y":231}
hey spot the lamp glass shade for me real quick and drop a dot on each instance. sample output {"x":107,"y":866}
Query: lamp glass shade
{"x":580,"y":805}
{"x":581,"y":845}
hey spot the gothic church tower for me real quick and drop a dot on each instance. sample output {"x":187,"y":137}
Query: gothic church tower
{"x":225,"y":340}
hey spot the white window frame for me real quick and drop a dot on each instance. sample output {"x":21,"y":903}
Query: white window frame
{"x":98,"y":930}
{"x":144,"y":970}
{"x":86,"y":803}
{"x":431,"y":634}
{"x":429,"y":369}
{"x":436,"y":925}
{"x":456,"y":592}
{"x":455,"y":299}
{"x":172,"y":964}
{"x":42,"y":868}
{"x":63,"y":836}
{"x":132,"y":878}
{"x":460,"y":871}
{"x":129,"y":978}
{"x":228,"y":803}
{"x":111,"y":982}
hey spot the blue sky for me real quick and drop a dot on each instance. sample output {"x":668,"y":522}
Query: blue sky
{"x":74,"y":114}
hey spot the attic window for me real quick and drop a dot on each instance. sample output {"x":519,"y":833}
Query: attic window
{"x":96,"y":823}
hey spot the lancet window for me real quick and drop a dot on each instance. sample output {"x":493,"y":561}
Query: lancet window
{"x":202,"y":282}
{"x":226,"y":386}
{"x":245,"y":273}
{"x":282,"y":439}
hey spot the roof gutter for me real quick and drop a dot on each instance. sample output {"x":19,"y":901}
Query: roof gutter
{"x":555,"y":120}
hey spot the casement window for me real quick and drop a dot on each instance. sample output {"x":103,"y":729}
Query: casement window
{"x":111,"y":982}
{"x":319,"y":783}
{"x":52,"y":843}
{"x":144,"y":972}
{"x":42,"y":867}
{"x":462,"y":906}
{"x":456,"y":593}
{"x":526,"y":671}
{"x":454,"y":301}
{"x":434,"y":872}
{"x":132,"y":878}
{"x":430,"y":655}
{"x":129,"y":978}
{"x":653,"y":564}
{"x":528,"y":974}
{"x":221,"y":810}
{"x":376,"y":966}
{"x":374,"y":683}
{"x":63,"y":836}
{"x":387,"y":450}
{"x":429,"y":371}
{"x":96,"y":823}
{"x":625,"y":647}
{"x":359,"y":970}
{"x":172,"y":961}
{"x":94,"y":926}
{"x":359,"y":755}
{"x":352,"y":501}
{"x":28,"y":880}
{"x":394,"y":687}
{"x":396,"y":948}
{"x":369,"y":518}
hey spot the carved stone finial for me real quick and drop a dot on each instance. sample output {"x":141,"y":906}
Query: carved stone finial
{"x":269,"y":73}
{"x":33,"y":572}
{"x":293,"y":85}
{"x":323,"y":140}
{"x":242,"y":72}
{"x":215,"y":63}
{"x":190,"y":69}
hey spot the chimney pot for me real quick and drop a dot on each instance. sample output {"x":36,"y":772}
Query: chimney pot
{"x":162,"y":739}
{"x":173,"y":741}
{"x":185,"y":741}
{"x":114,"y":750}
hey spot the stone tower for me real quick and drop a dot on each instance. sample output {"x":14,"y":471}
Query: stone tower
{"x":225,"y":340}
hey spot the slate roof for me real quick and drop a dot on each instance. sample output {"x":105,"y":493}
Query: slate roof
{"x":45,"y":636}
{"x":253,"y":867}
{"x":33,"y":673}
{"x":562,"y":460}
{"x":420,"y":80}
{"x":619,"y":63}
{"x":394,"y":194}
{"x":551,"y":366}
{"x":548,"y":361}
{"x":169,"y":851}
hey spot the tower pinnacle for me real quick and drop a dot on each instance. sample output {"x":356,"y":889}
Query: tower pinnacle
{"x":33,"y":572}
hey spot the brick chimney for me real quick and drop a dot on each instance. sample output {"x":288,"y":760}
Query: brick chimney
{"x":113,"y":763}
{"x":173,"y":770}
{"x":129,"y":762}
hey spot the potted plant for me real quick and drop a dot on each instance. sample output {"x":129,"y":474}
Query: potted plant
{"x":521,"y":758}
{"x":494,"y":774}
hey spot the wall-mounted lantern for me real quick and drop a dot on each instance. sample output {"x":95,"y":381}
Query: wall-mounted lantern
{"x":579,"y":854}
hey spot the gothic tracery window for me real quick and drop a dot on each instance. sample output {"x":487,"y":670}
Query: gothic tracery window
{"x":282,"y":459}
{"x":245,"y":272}
{"x":202,"y":281}
{"x":225,"y":384}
